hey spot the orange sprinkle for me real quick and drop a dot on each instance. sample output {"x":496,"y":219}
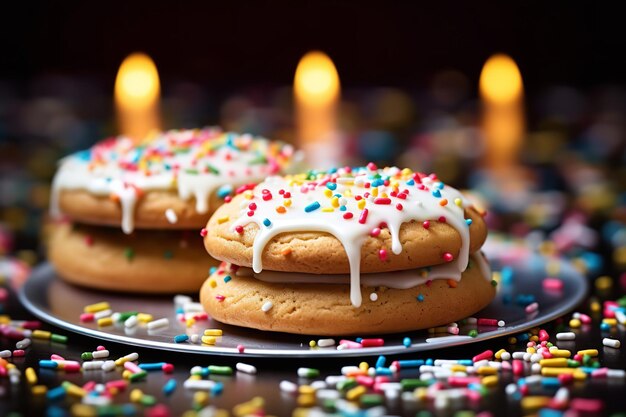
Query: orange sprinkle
{"x":443,"y":202}
{"x":286,"y":251}
{"x":114,"y":197}
{"x":452,"y":283}
{"x":281,"y":209}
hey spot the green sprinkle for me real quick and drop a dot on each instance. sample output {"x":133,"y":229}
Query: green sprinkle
{"x":168,"y":254}
{"x":125,"y":315}
{"x":494,"y":283}
{"x":129,"y":253}
{"x":220,"y":370}
{"x":86,"y":356}
{"x":148,"y":400}
{"x":473,"y":333}
{"x":346,"y":384}
{"x":191,"y":171}
{"x":259,"y":160}
{"x":370,"y":400}
{"x":138,"y":376}
{"x":412,"y":383}
{"x":58,"y":338}
{"x":212,"y":169}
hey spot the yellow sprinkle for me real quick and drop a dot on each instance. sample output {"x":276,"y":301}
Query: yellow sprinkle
{"x":589,"y":352}
{"x":574,"y":323}
{"x":553,"y":268}
{"x":208,"y":340}
{"x":31,"y":376}
{"x":499,"y":353}
{"x":201,"y":398}
{"x":4,"y":319}
{"x":486,"y":370}
{"x":212,"y":283}
{"x":420,"y":393}
{"x":561,"y":353}
{"x":136,"y":395}
{"x":327,"y":209}
{"x":458,"y":202}
{"x":348,"y":193}
{"x":334,"y":201}
{"x":406,"y":172}
{"x":126,"y":374}
{"x":595,"y":306}
{"x":554,"y":362}
{"x":604,"y":283}
{"x":610,"y":322}
{"x":361,"y":204}
{"x":549,"y":371}
{"x":307,"y":400}
{"x":534,"y":338}
{"x":248,"y":195}
{"x":312,"y":343}
{"x":287,"y":202}
{"x":384,"y":195}
{"x":83,"y":410}
{"x":534,"y":402}
{"x":306,"y":389}
{"x":195,"y":377}
{"x":355,"y":392}
{"x":39,"y":390}
{"x":490,"y":381}
{"x":74,"y":390}
{"x":190,"y":322}
{"x":531,"y":350}
{"x":375,"y":191}
{"x":41,"y":334}
{"x":364,"y":366}
{"x":144,"y":317}
{"x":328,"y":193}
{"x":458,"y":368}
{"x":213,"y":332}
{"x":580,"y":375}
{"x":222,"y":219}
{"x":249,"y":407}
{"x":94,"y":308}
{"x":105,"y":321}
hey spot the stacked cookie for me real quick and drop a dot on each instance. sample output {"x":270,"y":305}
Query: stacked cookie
{"x":348,"y":251}
{"x":160,"y":193}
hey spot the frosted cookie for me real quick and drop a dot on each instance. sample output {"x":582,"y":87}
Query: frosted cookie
{"x":319,"y":304}
{"x":144,"y":262}
{"x":172,"y":181}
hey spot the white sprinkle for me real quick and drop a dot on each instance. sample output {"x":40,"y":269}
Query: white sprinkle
{"x":108,"y":366}
{"x":613,"y":343}
{"x":518,"y":355}
{"x":102,"y":314}
{"x":327,"y":394}
{"x":90,"y":366}
{"x":199,"y":384}
{"x":288,"y":386}
{"x":23,"y":344}
{"x":245,"y":368}
{"x":267,"y":306}
{"x":191,"y":307}
{"x":171,"y":216}
{"x":447,"y":339}
{"x":5,"y":354}
{"x":155,"y":324}
{"x":615,"y":374}
{"x":180,"y":300}
{"x":131,"y":322}
{"x":95,"y":400}
{"x":115,"y":316}
{"x":318,"y":385}
{"x":326,"y":342}
{"x":99,"y":354}
{"x":501,"y":323}
{"x":566,"y":336}
{"x":373,"y":296}
{"x":506,"y":356}
{"x":194,"y":338}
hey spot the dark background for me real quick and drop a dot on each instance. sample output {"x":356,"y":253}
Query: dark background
{"x":221,"y":44}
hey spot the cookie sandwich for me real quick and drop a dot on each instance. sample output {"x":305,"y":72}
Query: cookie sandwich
{"x":350,"y":251}
{"x":131,"y":211}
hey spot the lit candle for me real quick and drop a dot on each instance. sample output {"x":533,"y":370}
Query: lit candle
{"x":137,"y":91}
{"x":316,"y":93}
{"x":503,"y":119}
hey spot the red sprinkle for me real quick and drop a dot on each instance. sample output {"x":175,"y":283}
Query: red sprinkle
{"x":518,"y":367}
{"x":241,"y":348}
{"x":239,"y":229}
{"x":448,"y":257}
{"x":399,"y":206}
{"x":566,"y":379}
{"x":488,"y":354}
{"x":382,"y":254}
{"x":363,"y":216}
{"x":86,"y":317}
{"x":220,"y":298}
{"x":168,"y":368}
{"x":381,"y":200}
{"x":426,"y":224}
{"x":375,"y":232}
{"x":372,"y":342}
{"x":487,"y":322}
{"x":31,"y":325}
{"x":203,"y":232}
{"x":18,"y":353}
{"x":228,"y":199}
{"x":552,"y":284}
{"x":252,"y":206}
{"x":372,"y":166}
{"x":442,"y":219}
{"x":348,"y":215}
{"x":88,"y":240}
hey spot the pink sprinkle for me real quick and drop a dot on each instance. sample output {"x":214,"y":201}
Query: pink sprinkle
{"x":363,"y":216}
{"x":518,"y":367}
{"x":159,"y":410}
{"x":552,"y":284}
{"x":587,"y":405}
{"x":453,"y":330}
{"x":382,"y":254}
{"x":240,"y":348}
{"x":239,"y":229}
{"x":543,"y":335}
{"x":119,"y":384}
{"x":220,"y":298}
{"x":448,"y":257}
{"x":350,"y":344}
{"x":585,"y":319}
{"x":203,"y":232}
{"x":600,"y":373}
{"x":375,"y":232}
{"x":55,"y":357}
{"x":86,"y":317}
{"x":488,"y":354}
{"x":132,"y":366}
{"x":531,"y":308}
{"x":578,"y":357}
{"x":372,"y":166}
{"x":89,"y":386}
{"x":367,"y":381}
{"x":372,"y":342}
{"x":168,"y":368}
{"x":462,"y":381}
{"x":426,"y":224}
{"x":100,"y":348}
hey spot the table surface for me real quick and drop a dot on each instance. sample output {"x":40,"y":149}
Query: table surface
{"x":243,"y":387}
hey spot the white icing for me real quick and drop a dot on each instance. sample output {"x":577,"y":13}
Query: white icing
{"x":175,"y":160}
{"x":419,"y":205}
{"x":401,"y":280}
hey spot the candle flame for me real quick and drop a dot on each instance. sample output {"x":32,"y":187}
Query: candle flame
{"x":137,"y":91}
{"x":500,"y":80}
{"x":316,"y":81}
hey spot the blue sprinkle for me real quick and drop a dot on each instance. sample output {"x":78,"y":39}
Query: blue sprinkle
{"x":380,"y":362}
{"x":224,"y":190}
{"x":56,"y":394}
{"x":406,"y":342}
{"x":605,"y":326}
{"x":550,"y":382}
{"x":420,"y":298}
{"x":466,"y":362}
{"x":312,"y":207}
{"x":383,"y":371}
{"x":217,"y":389}
{"x":359,"y":339}
{"x":429,"y":361}
{"x":343,"y":208}
{"x":180,"y":310}
{"x":48,"y":364}
{"x":332,"y":170}
{"x":331,"y":186}
{"x":180,"y":338}
{"x":436,"y":193}
{"x":155,"y":366}
{"x":267,"y":223}
{"x":227,"y":279}
{"x":84,"y":155}
{"x":410,"y":182}
{"x":410,"y":363}
{"x":548,"y":412}
{"x":506,"y":275}
{"x":212,"y":270}
{"x":440,"y":185}
{"x":169,"y":386}
{"x":468,"y":222}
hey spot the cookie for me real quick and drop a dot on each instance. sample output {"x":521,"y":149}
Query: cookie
{"x":145,"y":262}
{"x":350,"y":220}
{"x":172,"y":181}
{"x":325,"y":309}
